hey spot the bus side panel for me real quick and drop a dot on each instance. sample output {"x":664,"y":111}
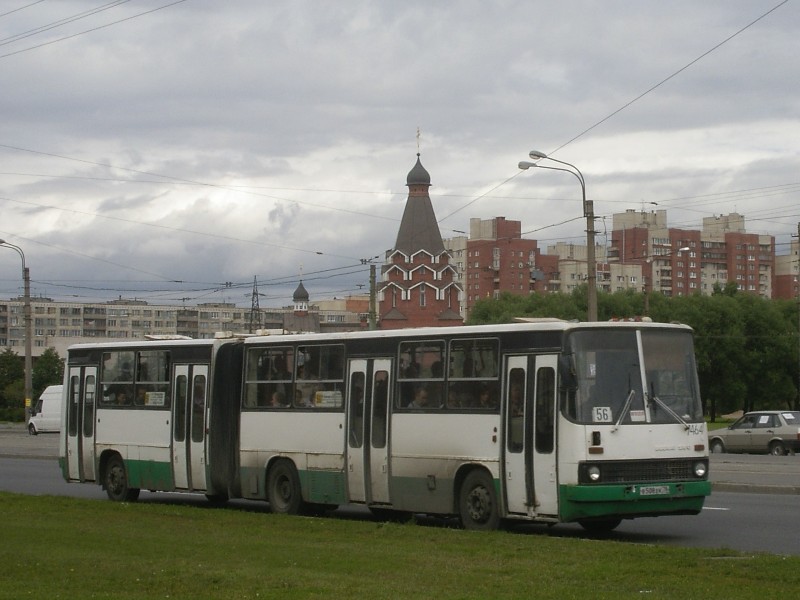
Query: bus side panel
{"x":428,"y":449}
{"x":312,"y":440}
{"x":223,"y":426}
{"x":142,"y":438}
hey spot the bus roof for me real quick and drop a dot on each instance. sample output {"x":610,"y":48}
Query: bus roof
{"x":428,"y":332}
{"x":149,"y":343}
{"x":537,"y":325}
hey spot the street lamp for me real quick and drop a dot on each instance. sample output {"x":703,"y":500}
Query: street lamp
{"x":588,"y":212}
{"x":26,"y":278}
{"x":650,"y":280}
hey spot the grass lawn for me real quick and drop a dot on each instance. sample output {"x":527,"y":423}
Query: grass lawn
{"x":56,"y":547}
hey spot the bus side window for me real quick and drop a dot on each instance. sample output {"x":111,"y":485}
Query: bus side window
{"x":515,"y":410}
{"x":472,"y":376}
{"x":380,"y":402}
{"x":320,"y":377}
{"x":268,"y":379}
{"x":357,"y":409}
{"x":198,"y":408}
{"x":88,"y":406}
{"x":421,"y":375}
{"x":181,"y":390}
{"x":117,"y":378}
{"x":545,"y":392}
{"x":152,"y":379}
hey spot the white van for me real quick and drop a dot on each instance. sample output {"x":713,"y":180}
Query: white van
{"x":47,"y":412}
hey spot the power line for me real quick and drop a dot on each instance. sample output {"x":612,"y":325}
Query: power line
{"x":637,"y":98}
{"x":74,"y":35}
{"x":672,"y":76}
{"x":21,"y":8}
{"x":60,"y":22}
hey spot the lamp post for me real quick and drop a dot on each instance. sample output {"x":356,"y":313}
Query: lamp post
{"x":26,"y":278}
{"x":588,"y":212}
{"x":650,"y":281}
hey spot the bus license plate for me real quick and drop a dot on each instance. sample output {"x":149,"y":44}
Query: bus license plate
{"x":653,"y":490}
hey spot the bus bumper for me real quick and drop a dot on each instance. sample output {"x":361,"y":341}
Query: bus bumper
{"x":632,"y":500}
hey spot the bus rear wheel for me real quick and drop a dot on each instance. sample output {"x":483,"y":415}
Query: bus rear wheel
{"x":283,"y":489}
{"x":115,"y":481}
{"x":477,"y":502}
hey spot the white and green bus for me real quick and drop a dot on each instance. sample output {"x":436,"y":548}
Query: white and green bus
{"x":547,"y":421}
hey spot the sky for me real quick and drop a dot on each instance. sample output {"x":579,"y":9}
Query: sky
{"x":173,"y":152}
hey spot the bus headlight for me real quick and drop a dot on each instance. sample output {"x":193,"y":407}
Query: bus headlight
{"x":594,"y":473}
{"x":700,"y":469}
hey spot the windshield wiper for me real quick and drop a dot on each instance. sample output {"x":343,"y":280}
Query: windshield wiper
{"x":653,"y":398}
{"x":624,"y":411}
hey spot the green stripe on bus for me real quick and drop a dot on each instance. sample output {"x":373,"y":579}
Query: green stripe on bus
{"x":149,"y":475}
{"x":584,"y":501}
{"x":323,"y":487}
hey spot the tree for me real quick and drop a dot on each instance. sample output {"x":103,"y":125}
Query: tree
{"x":48,"y":370}
{"x":12,"y":369}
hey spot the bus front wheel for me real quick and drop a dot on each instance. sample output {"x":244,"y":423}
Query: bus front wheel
{"x":116,"y":481}
{"x":283,"y":489}
{"x":477,"y":502}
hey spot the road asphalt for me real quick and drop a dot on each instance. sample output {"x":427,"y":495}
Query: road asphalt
{"x":729,"y":472}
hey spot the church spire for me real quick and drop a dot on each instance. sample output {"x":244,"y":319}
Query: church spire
{"x":418,"y":228}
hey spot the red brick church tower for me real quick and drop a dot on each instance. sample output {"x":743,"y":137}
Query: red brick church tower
{"x":419,"y":287}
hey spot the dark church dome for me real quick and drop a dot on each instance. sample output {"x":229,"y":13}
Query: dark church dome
{"x":418,"y":175}
{"x":300,"y":294}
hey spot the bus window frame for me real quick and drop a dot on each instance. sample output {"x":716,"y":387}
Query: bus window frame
{"x":113,"y":381}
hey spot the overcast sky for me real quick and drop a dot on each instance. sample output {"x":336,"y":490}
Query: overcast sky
{"x":173,"y":151}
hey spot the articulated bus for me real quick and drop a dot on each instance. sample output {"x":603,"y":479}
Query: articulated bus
{"x":547,"y":421}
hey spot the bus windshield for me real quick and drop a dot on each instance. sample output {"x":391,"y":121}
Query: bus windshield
{"x":605,"y":383}
{"x":671,"y":374}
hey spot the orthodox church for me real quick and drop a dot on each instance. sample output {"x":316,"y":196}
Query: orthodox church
{"x":419,"y":287}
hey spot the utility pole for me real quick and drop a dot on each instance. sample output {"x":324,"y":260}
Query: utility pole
{"x":373,"y":311}
{"x":255,"y":311}
{"x":588,"y":210}
{"x":27,"y":320}
{"x":797,"y":398}
{"x":26,"y":276}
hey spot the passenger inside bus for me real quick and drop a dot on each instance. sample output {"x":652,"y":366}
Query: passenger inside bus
{"x":486,"y":398}
{"x":279,"y":400}
{"x":420,"y":398}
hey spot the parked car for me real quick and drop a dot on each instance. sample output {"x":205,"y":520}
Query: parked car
{"x":46,"y":415}
{"x":773,"y":431}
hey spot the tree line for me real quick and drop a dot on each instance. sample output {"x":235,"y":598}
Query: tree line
{"x":48,"y":369}
{"x":746,"y":346}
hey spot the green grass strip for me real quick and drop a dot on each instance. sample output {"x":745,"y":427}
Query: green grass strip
{"x":56,"y":547}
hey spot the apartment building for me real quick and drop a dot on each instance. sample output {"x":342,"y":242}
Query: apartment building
{"x":681,"y":261}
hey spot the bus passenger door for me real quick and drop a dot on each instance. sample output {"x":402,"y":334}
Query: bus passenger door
{"x":530,"y":416}
{"x":81,"y":423}
{"x":368,"y":401}
{"x":190,"y":387}
{"x":545,"y":476}
{"x":518,"y":486}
